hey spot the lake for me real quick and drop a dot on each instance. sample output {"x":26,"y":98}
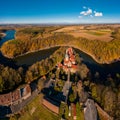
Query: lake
{"x":9,"y":35}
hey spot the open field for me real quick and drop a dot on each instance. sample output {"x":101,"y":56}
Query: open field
{"x":36,"y":111}
{"x":91,"y":33}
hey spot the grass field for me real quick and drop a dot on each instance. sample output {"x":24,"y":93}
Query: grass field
{"x":91,"y":33}
{"x":36,"y":111}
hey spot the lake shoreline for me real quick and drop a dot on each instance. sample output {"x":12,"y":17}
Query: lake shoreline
{"x":47,"y":48}
{"x":2,"y":35}
{"x":29,"y":52}
{"x":94,"y":58}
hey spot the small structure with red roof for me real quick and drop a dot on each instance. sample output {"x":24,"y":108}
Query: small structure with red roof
{"x":73,"y":108}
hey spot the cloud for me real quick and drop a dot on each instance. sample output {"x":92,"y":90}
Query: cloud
{"x":84,"y":7}
{"x":91,"y":16}
{"x":86,"y":13}
{"x":89,"y":13}
{"x":80,"y":16}
{"x":98,"y":14}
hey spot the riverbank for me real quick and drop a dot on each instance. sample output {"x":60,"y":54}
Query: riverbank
{"x":96,"y":60}
{"x":33,"y":52}
{"x":27,"y":53}
{"x":48,"y":48}
{"x":2,"y":35}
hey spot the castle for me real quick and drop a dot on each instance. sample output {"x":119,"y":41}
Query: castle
{"x":69,"y":62}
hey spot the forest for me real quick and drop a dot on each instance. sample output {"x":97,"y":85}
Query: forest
{"x":11,"y":78}
{"x":32,"y":39}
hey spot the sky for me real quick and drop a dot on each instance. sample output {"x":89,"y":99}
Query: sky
{"x":59,"y":11}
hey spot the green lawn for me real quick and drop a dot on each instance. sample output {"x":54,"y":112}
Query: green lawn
{"x":36,"y":111}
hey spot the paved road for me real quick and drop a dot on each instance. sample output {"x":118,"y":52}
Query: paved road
{"x":90,"y":112}
{"x":67,"y":86}
{"x":68,"y":79}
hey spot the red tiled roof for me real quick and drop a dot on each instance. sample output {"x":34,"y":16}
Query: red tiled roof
{"x":51,"y":106}
{"x":44,"y":77}
{"x":59,"y":65}
{"x":70,"y":50}
{"x":74,"y":66}
{"x":66,"y":62}
{"x":5,"y":99}
{"x":72,"y":60}
{"x":73,"y":109}
{"x":65,"y":67}
{"x":16,"y":95}
{"x":72,"y":57}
